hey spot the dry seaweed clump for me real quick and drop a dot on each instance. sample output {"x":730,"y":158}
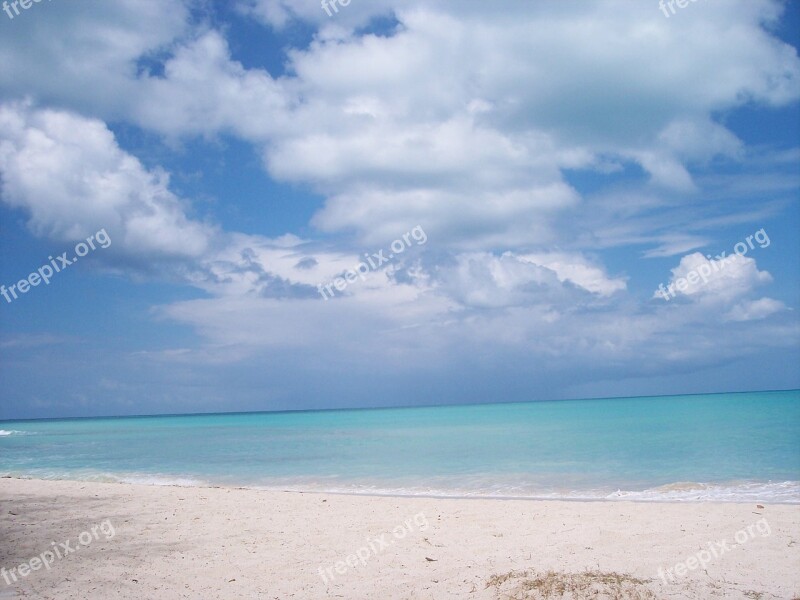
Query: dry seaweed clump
{"x":589,"y":585}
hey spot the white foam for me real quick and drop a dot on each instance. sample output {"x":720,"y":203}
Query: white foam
{"x":772,"y":491}
{"x":101,"y":477}
{"x":786,"y":492}
{"x":160,"y":480}
{"x":140,"y":479}
{"x":783,"y":492}
{"x":5,"y":432}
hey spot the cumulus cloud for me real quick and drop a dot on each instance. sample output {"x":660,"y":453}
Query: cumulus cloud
{"x":473,"y":122}
{"x":203,"y":91}
{"x":454,"y":109}
{"x":693,"y":140}
{"x":426,"y":132}
{"x":469,"y":219}
{"x":725,"y":278}
{"x":87,"y":56}
{"x":72,"y":179}
{"x":578,"y":270}
{"x":755,"y":309}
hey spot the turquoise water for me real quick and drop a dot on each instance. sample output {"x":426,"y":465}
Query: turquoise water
{"x":706,"y":447}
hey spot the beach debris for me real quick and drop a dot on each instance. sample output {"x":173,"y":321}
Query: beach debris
{"x":759,"y":506}
{"x":429,"y":559}
{"x":530,"y":585}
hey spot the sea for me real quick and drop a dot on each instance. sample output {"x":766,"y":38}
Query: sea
{"x":741,"y":447}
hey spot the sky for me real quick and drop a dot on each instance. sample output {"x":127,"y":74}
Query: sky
{"x":402,"y":202}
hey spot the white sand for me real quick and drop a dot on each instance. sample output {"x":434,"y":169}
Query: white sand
{"x":171,"y":542}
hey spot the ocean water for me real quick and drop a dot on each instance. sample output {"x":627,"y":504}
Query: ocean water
{"x":721,"y":447}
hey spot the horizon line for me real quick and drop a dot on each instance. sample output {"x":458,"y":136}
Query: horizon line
{"x":398,"y":407}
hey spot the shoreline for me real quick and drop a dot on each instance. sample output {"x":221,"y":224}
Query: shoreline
{"x":222,"y":542}
{"x":208,"y":485}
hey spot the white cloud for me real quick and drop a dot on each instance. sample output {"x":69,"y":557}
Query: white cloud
{"x":72,"y":179}
{"x":755,"y":309}
{"x":675,"y":243}
{"x":576,"y":269}
{"x":714,"y":279}
{"x":461,"y":105}
{"x":85,"y":56}
{"x":465,"y":120}
{"x":694,"y":140}
{"x":487,"y":281}
{"x":204,"y":92}
{"x":374,"y":110}
{"x":465,"y":218}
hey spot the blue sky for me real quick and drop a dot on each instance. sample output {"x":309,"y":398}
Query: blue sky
{"x":562,"y":159}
